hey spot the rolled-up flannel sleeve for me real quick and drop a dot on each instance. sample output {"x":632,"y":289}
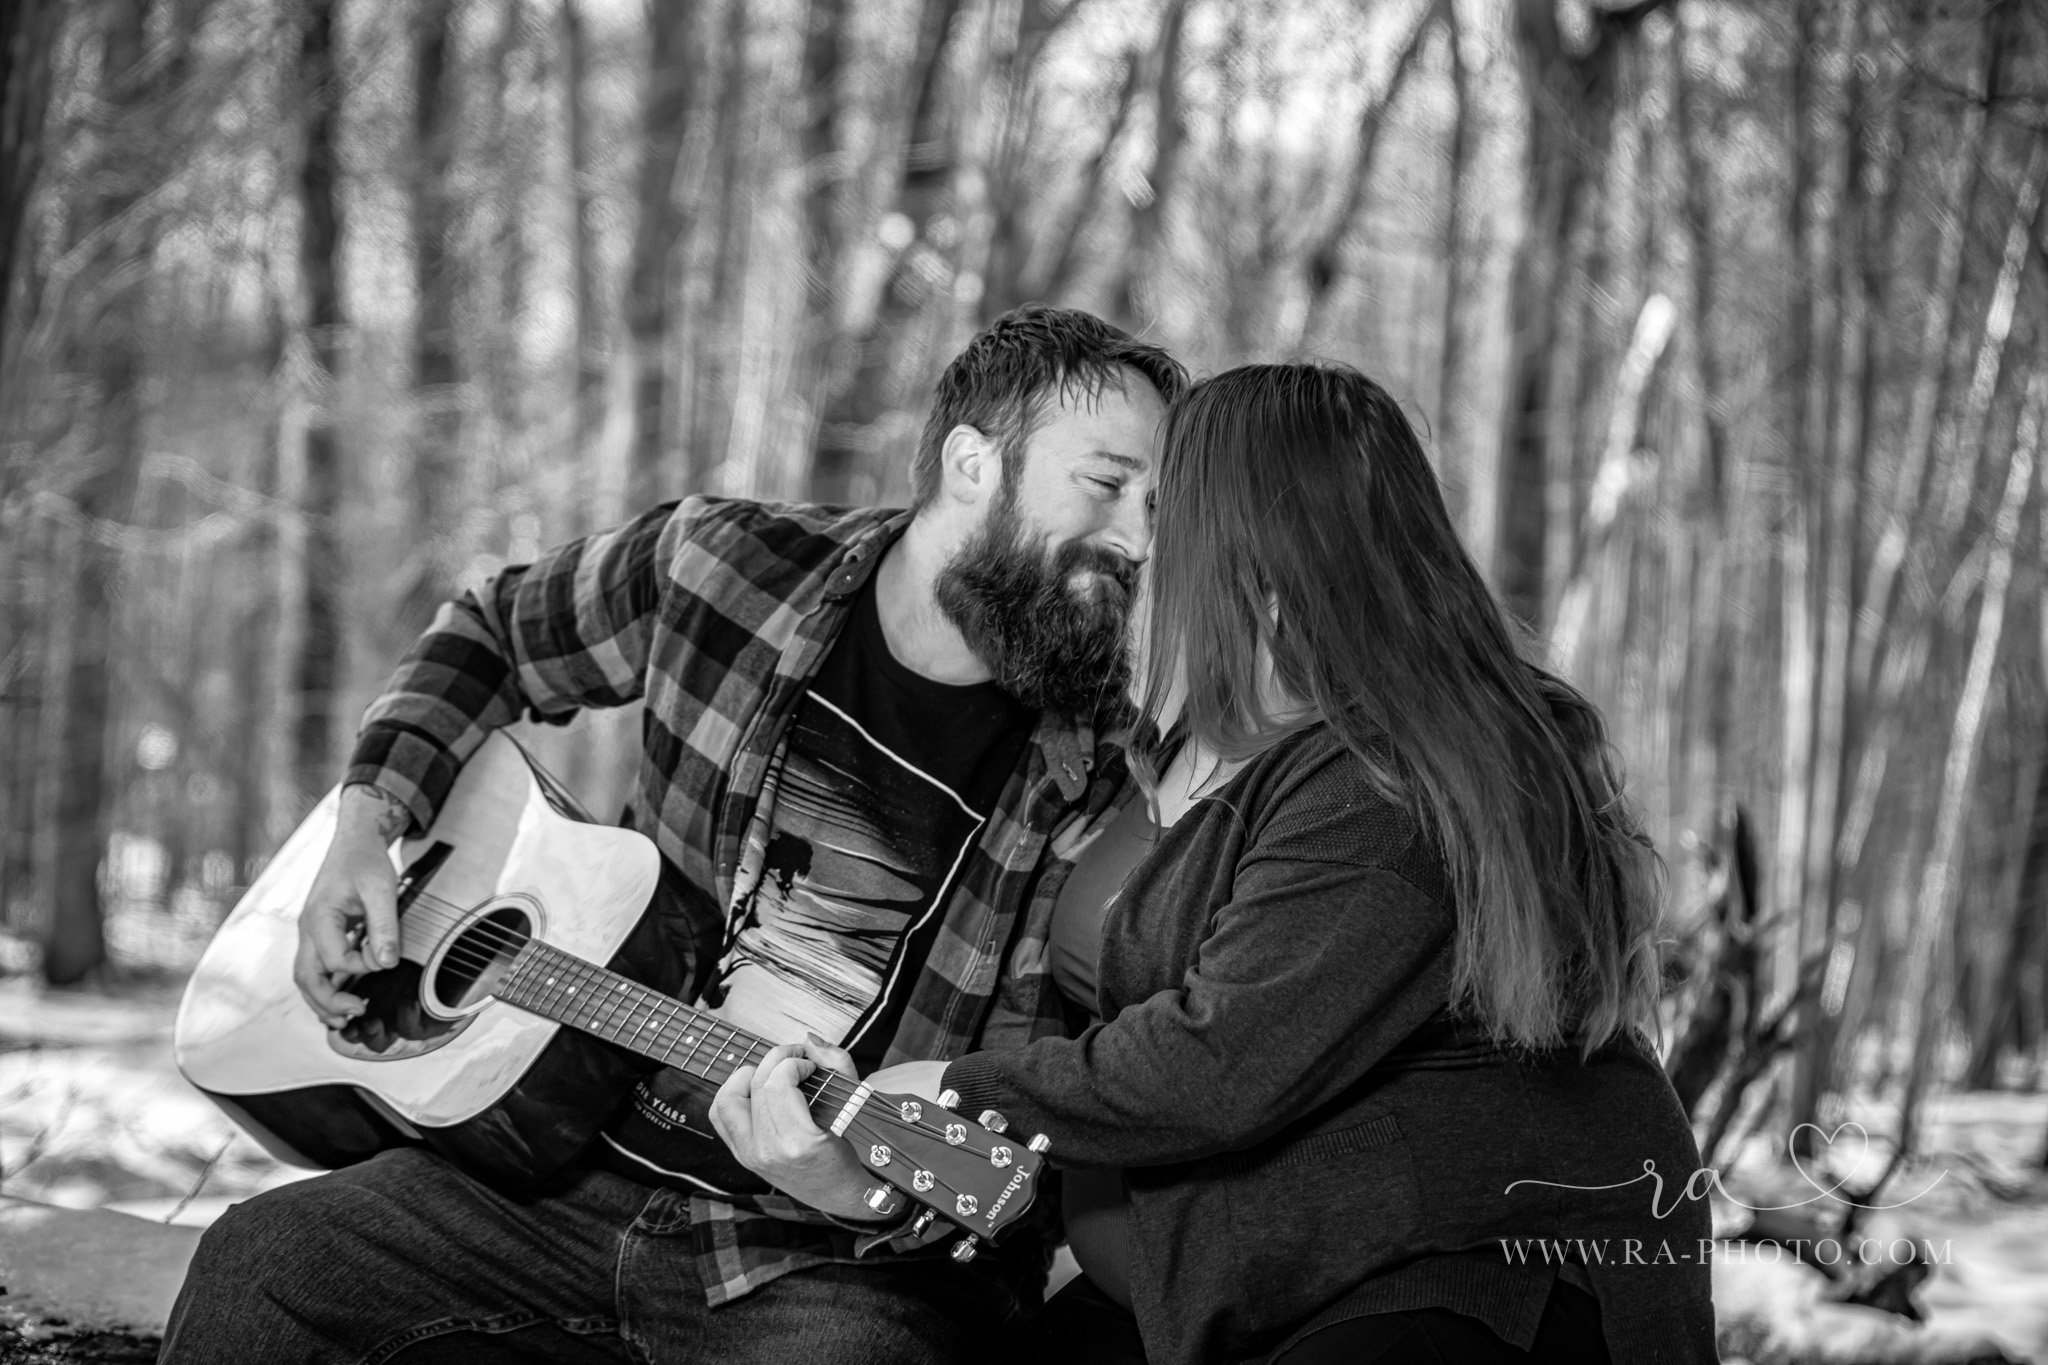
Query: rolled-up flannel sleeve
{"x":569,"y":631}
{"x":1311,"y":973}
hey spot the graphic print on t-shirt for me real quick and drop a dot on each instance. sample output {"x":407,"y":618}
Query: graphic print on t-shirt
{"x":863,"y":845}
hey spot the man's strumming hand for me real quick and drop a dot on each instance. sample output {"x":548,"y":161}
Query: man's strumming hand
{"x":350,"y":922}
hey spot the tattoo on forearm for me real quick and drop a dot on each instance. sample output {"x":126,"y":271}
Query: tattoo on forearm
{"x":395,"y":817}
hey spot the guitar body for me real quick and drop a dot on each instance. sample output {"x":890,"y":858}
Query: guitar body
{"x":537,"y":982}
{"x":507,"y":1093}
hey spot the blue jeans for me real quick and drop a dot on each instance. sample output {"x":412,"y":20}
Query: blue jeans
{"x":403,"y":1258}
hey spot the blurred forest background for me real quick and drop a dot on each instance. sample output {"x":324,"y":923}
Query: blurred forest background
{"x":1724,"y":319}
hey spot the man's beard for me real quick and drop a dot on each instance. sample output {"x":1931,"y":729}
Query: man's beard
{"x":1050,"y":645}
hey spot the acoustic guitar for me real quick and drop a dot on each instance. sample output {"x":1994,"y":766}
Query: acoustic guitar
{"x":517,"y":1016}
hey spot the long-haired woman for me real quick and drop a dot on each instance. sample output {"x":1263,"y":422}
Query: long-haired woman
{"x":1373,"y":958}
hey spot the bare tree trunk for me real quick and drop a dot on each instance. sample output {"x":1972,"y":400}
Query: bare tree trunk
{"x":437,"y":390}
{"x":1929,"y":386}
{"x":1570,"y":91}
{"x":1906,"y":657}
{"x":279,"y":667}
{"x":484,"y":257}
{"x":1611,"y":483}
{"x":1710,"y":675}
{"x":109,"y":347}
{"x":2030,"y":1002}
{"x":2009,"y":938}
{"x":1323,"y":252}
{"x":1024,"y":263}
{"x":664,"y":218}
{"x":1007,"y":290}
{"x":60,"y":558}
{"x":20,"y":715}
{"x":1456,"y":433}
{"x":1886,"y":144}
{"x":304,"y":665}
{"x":825,"y":179}
{"x":29,"y":31}
{"x":1834,"y":403}
{"x":603,"y":155}
{"x":594,"y":340}
{"x":768,"y":445}
{"x":1130,"y":302}
{"x":1799,"y":667}
{"x":708,"y":289}
{"x":857,"y":431}
{"x":1971,"y":428}
{"x":1930,"y":981}
{"x":1804,"y":552}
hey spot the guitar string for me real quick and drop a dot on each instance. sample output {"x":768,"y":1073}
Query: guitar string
{"x":443,"y":915}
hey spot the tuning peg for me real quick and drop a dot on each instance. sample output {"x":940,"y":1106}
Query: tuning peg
{"x":922,"y":1221}
{"x":948,"y":1098}
{"x":964,"y":1249}
{"x":885,"y":1200}
{"x":1039,"y":1143}
{"x":994,"y":1122}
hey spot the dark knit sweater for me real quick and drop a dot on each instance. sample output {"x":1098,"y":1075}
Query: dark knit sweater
{"x":1304,"y":1127}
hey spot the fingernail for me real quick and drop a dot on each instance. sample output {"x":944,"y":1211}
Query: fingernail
{"x":816,"y":1039}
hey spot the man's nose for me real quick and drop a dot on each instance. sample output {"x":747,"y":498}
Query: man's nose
{"x":1130,"y":528}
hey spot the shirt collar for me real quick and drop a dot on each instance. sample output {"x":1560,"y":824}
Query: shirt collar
{"x":858,"y":560}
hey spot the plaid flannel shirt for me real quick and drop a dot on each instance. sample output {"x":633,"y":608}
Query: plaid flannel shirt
{"x":717,"y":613}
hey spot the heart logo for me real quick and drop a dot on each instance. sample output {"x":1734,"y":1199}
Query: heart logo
{"x":1824,"y":1147}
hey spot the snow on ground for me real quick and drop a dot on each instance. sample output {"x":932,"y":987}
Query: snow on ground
{"x":1977,"y":1201}
{"x":94,"y":1115}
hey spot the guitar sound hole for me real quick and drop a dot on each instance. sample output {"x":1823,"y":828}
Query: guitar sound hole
{"x":480,"y":956}
{"x":393,"y":1025}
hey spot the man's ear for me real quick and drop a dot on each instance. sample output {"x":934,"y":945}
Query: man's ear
{"x":970,"y":465}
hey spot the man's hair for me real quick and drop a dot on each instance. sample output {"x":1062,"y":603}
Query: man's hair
{"x":1024,"y":362}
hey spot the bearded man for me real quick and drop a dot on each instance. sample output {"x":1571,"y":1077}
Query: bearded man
{"x":873,"y":742}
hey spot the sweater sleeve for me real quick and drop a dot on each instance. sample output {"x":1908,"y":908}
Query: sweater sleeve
{"x":1311,"y":973}
{"x":569,"y":631}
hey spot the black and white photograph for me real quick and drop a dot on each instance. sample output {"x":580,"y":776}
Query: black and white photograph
{"x":1024,"y":682}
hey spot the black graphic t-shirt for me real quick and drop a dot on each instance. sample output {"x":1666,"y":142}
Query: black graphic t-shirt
{"x":884,"y":781}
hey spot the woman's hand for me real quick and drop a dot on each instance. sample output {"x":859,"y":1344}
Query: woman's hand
{"x":766,"y":1120}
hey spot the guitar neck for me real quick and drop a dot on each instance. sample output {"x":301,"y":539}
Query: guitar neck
{"x":556,"y":985}
{"x":965,"y":1172}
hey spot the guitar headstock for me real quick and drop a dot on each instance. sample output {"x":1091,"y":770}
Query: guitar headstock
{"x":972,"y":1173}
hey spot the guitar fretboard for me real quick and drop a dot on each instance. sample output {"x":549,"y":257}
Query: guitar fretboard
{"x":556,"y":985}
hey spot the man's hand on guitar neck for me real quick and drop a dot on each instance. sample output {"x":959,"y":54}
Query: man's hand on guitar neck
{"x":766,"y":1121}
{"x":350,"y":923}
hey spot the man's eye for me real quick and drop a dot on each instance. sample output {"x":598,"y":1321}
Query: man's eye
{"x":1108,"y":485}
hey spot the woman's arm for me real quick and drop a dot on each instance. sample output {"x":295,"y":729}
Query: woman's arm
{"x":1311,"y":974}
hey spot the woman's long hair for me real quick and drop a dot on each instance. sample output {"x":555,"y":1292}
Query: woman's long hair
{"x":1296,"y":509}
